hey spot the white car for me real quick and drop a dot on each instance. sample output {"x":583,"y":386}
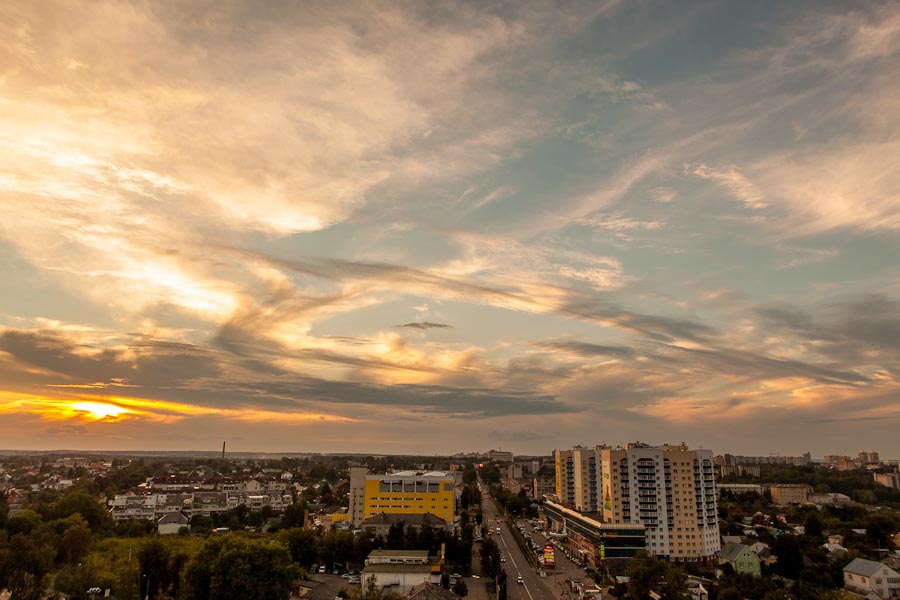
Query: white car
{"x":519,"y":579}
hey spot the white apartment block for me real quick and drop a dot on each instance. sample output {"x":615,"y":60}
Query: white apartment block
{"x":671,"y":490}
{"x":152,"y":506}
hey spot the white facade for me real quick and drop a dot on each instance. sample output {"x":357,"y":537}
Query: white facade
{"x":125,"y":507}
{"x":869,"y":577}
{"x":399,"y":571}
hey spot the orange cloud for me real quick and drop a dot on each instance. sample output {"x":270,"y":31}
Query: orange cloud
{"x":113,"y":409}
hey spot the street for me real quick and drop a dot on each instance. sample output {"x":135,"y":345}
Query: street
{"x":516,"y":565}
{"x":555,"y":586}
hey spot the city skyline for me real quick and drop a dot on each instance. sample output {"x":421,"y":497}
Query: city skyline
{"x":417,"y":228}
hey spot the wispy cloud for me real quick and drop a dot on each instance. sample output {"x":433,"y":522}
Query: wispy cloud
{"x":217,"y":219}
{"x":425,"y":325}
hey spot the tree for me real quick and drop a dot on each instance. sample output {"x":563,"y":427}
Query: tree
{"x":23,"y":522}
{"x":465,"y":498}
{"x":370,"y":590}
{"x":813,"y":525}
{"x":301,"y":545}
{"x":647,"y":573}
{"x":76,"y":580}
{"x":24,"y":565}
{"x":395,"y":537}
{"x":153,"y":559}
{"x":460,"y":589}
{"x":80,"y":502}
{"x":490,"y":558}
{"x":411,"y":538}
{"x":74,"y":544}
{"x":790,"y":559}
{"x":229,"y":567}
{"x":644,"y":572}
{"x":293,"y":515}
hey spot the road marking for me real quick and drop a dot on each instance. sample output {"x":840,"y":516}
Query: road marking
{"x":525,"y":585}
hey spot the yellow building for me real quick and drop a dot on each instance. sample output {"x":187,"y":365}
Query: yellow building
{"x":789,"y":493}
{"x":404,"y":492}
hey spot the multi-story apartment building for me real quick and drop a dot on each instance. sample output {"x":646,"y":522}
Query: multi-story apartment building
{"x":124,"y":507}
{"x":404,"y":492}
{"x":541,"y":487}
{"x":891,"y":480}
{"x":671,"y":490}
{"x":789,"y":493}
{"x":160,"y":497}
{"x":870,"y":457}
{"x":731,"y":460}
{"x":578,"y":477}
{"x":500,"y":456}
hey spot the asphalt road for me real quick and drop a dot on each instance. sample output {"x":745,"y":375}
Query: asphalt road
{"x":553,"y":587}
{"x":516,"y":563}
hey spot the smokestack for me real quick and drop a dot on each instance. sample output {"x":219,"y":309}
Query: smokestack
{"x":223,"y":450}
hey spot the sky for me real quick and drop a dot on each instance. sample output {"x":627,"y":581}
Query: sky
{"x":434,"y":227}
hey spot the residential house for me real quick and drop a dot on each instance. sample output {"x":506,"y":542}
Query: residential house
{"x":763,"y":552}
{"x":871,"y":579}
{"x":741,"y":558}
{"x":430,"y":591}
{"x":171,"y":523}
{"x":835,"y":552}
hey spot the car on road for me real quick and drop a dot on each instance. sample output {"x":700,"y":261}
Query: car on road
{"x":502,"y":559}
{"x":519,"y":579}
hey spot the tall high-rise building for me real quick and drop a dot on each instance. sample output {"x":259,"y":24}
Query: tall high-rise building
{"x":671,"y":490}
{"x":868,"y":457}
{"x":578,"y":477}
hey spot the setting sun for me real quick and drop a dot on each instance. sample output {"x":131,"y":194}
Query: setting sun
{"x":100,"y":411}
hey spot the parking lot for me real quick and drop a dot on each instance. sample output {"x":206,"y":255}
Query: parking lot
{"x":326,"y":587}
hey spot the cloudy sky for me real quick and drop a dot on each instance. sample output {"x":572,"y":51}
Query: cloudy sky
{"x":441,"y":227}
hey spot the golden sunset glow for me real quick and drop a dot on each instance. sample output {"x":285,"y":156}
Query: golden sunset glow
{"x":100,"y":411}
{"x":213,"y":228}
{"x":151,"y":411}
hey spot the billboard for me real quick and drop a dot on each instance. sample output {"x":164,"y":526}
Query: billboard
{"x":549,"y":557}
